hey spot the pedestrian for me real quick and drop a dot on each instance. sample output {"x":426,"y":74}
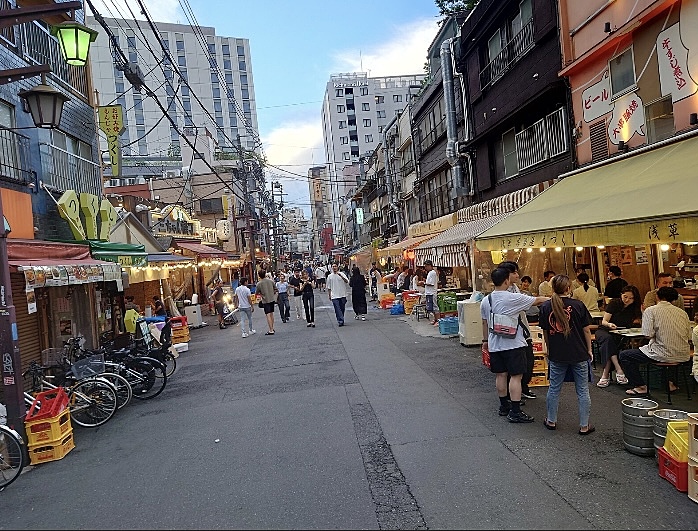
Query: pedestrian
{"x":337,"y":284}
{"x":295,"y":281}
{"x":566,"y":328}
{"x":358,"y":294}
{"x":267,"y":289}
{"x":284,"y":305}
{"x":320,"y":274}
{"x":158,"y":307}
{"x":308,"y":299}
{"x":130,"y":305}
{"x":430,"y":287}
{"x":244,"y":305}
{"x":219,"y":305}
{"x":375,"y":274}
{"x":532,"y":313}
{"x":544,"y":288}
{"x":503,"y":338}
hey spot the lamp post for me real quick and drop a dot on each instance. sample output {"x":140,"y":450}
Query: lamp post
{"x":45,"y":105}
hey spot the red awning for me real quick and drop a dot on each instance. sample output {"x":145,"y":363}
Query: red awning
{"x":203,"y":250}
{"x":23,"y":250}
{"x":17,"y":263}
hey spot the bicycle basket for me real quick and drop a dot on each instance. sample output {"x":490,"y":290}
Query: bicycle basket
{"x":89,"y":366}
{"x":53,"y":357}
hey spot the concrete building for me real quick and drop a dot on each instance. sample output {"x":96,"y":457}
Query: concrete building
{"x":355,"y":110}
{"x":320,"y":209}
{"x":218,"y":94}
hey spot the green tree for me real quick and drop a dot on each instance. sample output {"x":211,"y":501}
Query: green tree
{"x":451,"y":7}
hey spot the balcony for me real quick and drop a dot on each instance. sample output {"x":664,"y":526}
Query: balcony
{"x":64,"y":171}
{"x":545,"y":139}
{"x":510,"y":54}
{"x":14,"y":157}
{"x":407,"y":168}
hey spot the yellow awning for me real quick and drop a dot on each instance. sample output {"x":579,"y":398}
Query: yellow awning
{"x":406,"y":244}
{"x":650,"y":197}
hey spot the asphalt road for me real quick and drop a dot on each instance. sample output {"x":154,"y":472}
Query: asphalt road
{"x":376,"y":425}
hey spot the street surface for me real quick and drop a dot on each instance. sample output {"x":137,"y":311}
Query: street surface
{"x":381,"y":424}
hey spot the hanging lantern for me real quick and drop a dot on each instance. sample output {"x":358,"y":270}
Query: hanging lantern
{"x":45,"y":104}
{"x":75,"y":39}
{"x":223,"y":230}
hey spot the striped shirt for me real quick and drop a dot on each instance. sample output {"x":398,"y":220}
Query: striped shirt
{"x":669,"y":329}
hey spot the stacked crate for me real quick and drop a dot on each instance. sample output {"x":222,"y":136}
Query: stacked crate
{"x":540,"y":361}
{"x":673,"y":457}
{"x":180,"y":330}
{"x":48,"y":427}
{"x":692,"y":456}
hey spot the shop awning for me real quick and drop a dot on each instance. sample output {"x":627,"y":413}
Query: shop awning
{"x":202,"y":250}
{"x":450,"y":248}
{"x":646,"y":198}
{"x":168,"y":257}
{"x":126,"y":254}
{"x":396,"y":249}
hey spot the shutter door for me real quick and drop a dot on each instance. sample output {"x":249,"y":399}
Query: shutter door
{"x":27,"y":323}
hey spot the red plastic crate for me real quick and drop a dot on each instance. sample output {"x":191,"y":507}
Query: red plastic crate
{"x":52,"y":403}
{"x":675,"y":472}
{"x":178,"y":322}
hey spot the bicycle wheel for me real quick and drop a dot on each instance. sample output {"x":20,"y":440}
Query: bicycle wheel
{"x":170,"y":364}
{"x":92,"y":402}
{"x":11,"y":457}
{"x":148,"y":377}
{"x":124,"y":392}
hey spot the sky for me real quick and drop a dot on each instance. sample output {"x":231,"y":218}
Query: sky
{"x":295,"y":46}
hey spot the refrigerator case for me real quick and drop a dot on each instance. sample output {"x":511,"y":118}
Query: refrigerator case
{"x":469,"y":323}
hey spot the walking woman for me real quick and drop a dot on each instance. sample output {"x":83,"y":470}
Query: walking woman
{"x":566,"y":327}
{"x":308,"y":299}
{"x":358,"y":294}
{"x":284,"y":305}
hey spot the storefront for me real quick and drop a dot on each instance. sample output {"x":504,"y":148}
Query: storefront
{"x":363,"y":258}
{"x":638,"y":212}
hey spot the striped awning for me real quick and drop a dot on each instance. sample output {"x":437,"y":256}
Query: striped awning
{"x":450,"y":248}
{"x":396,"y":249}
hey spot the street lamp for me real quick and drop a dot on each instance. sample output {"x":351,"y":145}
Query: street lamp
{"x":45,"y":104}
{"x":75,"y":39}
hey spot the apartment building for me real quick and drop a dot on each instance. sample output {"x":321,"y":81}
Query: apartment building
{"x":320,"y":209}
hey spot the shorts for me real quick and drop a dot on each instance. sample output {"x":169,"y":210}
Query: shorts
{"x":220,"y":308}
{"x":430,"y":303}
{"x":268,"y":307}
{"x":512,"y":361}
{"x":321,"y":281}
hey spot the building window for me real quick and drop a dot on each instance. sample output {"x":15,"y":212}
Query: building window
{"x":511,"y":166}
{"x":367,"y":122}
{"x":179,"y":42}
{"x":245,"y":93}
{"x":212,"y":47}
{"x":397,"y":98}
{"x":226,"y":49}
{"x":339,"y":93}
{"x":242,"y":65}
{"x":181,"y":60}
{"x":340,"y":108}
{"x":241,"y":50}
{"x":660,"y":120}
{"x":227,"y":65}
{"x":342,"y":124}
{"x":380,"y":113}
{"x":343,"y":139}
{"x":380,"y":99}
{"x":622,"y":68}
{"x":368,"y":139}
{"x":345,"y":155}
{"x":364,"y":91}
{"x":213,"y":205}
{"x":246,"y":106}
{"x":365,"y":107}
{"x":216,"y":92}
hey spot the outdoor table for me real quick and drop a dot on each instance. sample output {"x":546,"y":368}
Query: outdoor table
{"x":632,"y":337}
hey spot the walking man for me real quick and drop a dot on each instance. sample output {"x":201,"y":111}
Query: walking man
{"x":430,"y":287}
{"x":267,"y":289}
{"x":218,"y":302}
{"x":320,"y":274}
{"x":244,"y":305}
{"x":507,"y":347}
{"x":297,"y":284}
{"x":337,"y":284}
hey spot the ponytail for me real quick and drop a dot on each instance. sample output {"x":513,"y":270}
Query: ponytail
{"x":560,"y":284}
{"x":584,"y":279}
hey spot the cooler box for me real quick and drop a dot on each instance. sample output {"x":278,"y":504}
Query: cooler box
{"x":193,"y":315}
{"x":469,"y":323}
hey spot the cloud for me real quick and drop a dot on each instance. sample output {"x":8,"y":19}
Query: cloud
{"x":160,"y":11}
{"x":404,"y":53}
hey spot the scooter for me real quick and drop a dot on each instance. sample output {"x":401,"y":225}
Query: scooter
{"x":230,"y":312}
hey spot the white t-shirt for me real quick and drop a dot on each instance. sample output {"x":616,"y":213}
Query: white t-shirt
{"x":243,"y":294}
{"x":320,"y":272}
{"x":336,"y":285}
{"x":505,"y":303}
{"x":433,"y":279}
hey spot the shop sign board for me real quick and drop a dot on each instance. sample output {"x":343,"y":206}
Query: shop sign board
{"x":125,"y":260}
{"x":70,"y":205}
{"x":111,"y":121}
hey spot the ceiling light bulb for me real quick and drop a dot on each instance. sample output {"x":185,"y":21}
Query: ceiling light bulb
{"x":529,"y":249}
{"x":542,"y":249}
{"x":600,"y":246}
{"x":664,"y":247}
{"x":579,"y":248}
{"x":558,"y":249}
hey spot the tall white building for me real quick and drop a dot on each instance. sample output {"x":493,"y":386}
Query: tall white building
{"x":220,"y":76}
{"x":355,"y":110}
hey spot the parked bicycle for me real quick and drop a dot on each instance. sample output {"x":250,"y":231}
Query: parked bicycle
{"x":12,"y":455}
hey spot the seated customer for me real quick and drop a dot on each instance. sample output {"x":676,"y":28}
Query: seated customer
{"x":586,"y":293}
{"x":663,"y":280}
{"x":669,"y":329}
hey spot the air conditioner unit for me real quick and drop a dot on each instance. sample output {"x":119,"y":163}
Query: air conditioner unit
{"x":169,"y":174}
{"x":141,"y":180}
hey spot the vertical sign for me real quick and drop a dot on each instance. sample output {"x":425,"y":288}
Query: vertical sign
{"x":111,"y":121}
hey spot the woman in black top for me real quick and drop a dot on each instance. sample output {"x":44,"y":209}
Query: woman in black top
{"x":308,"y":298}
{"x":566,"y":325}
{"x":357,"y":282}
{"x":624,"y":312}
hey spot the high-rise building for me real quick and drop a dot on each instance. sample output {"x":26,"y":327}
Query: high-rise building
{"x":216,"y":93}
{"x":320,"y":208}
{"x":355,"y":110}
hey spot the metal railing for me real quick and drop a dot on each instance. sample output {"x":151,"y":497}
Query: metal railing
{"x":512,"y":51}
{"x":436,"y":203}
{"x":65,"y":171}
{"x":544,"y":140}
{"x":14,"y":157}
{"x":426,"y":140}
{"x":407,"y":168}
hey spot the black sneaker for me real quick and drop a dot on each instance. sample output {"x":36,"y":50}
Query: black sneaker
{"x":519,"y":417}
{"x":504,"y":411}
{"x":529,"y":394}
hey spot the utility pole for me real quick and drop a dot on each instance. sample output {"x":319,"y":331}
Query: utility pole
{"x":275,"y":221}
{"x":248,"y":208}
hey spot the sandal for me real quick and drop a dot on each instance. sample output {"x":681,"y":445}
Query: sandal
{"x":603,"y":382}
{"x":633,"y":392}
{"x":549,"y":426}
{"x":621,"y":379}
{"x":590,"y":429}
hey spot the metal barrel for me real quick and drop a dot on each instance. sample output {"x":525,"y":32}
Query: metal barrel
{"x":638,"y":425}
{"x":661,"y":418}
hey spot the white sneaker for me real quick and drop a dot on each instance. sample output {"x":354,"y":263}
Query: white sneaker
{"x":253,"y":332}
{"x":244,"y":334}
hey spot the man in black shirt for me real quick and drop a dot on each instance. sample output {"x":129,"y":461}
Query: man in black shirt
{"x":297,"y":284}
{"x":615,"y":283}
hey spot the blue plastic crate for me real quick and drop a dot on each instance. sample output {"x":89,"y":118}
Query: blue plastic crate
{"x":448,"y":326}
